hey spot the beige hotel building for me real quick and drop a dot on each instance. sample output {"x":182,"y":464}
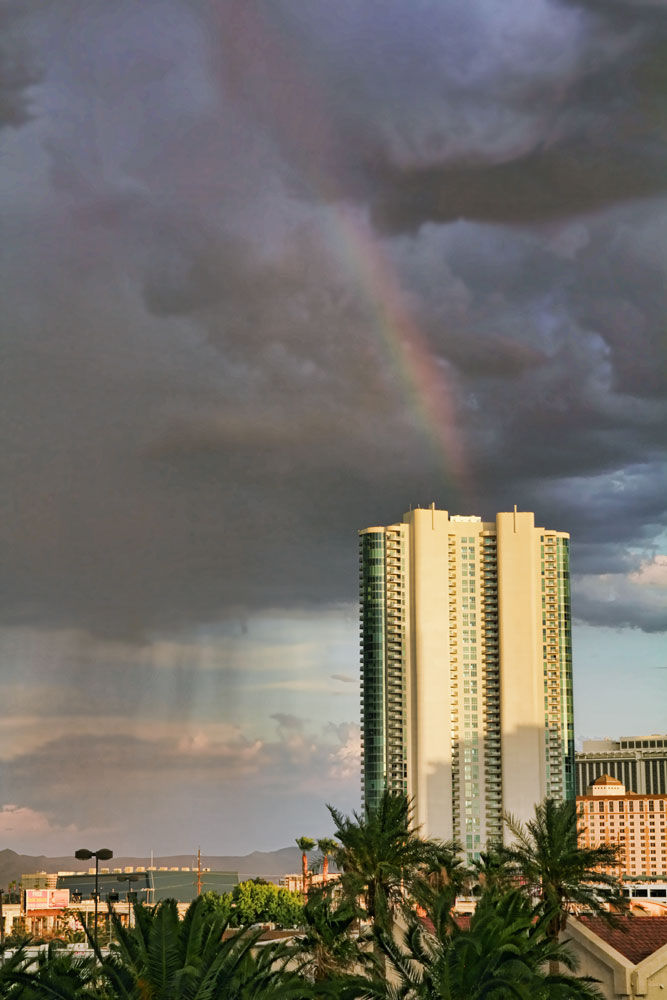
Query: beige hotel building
{"x":466,"y":669}
{"x":610,"y":815}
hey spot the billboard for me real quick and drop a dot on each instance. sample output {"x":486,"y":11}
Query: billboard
{"x":46,"y":899}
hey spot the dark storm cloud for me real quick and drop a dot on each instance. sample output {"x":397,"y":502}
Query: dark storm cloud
{"x":600,"y":141}
{"x":537,"y":187}
{"x":435,"y":114}
{"x":625,"y":10}
{"x":206,"y":393}
{"x":19,"y":69}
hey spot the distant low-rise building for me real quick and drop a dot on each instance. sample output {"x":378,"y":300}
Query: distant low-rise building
{"x":294,"y":881}
{"x":39,"y":880}
{"x":610,"y":815}
{"x":640,"y":762}
{"x":149,"y":884}
{"x":43,"y":908}
{"x":11,"y":912}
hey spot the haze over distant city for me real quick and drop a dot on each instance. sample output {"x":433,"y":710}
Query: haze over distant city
{"x":273,"y":272}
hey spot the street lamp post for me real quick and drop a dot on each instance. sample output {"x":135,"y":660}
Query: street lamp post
{"x":129,"y":879}
{"x":104,"y":854}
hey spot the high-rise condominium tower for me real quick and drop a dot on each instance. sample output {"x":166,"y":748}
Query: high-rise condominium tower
{"x":466,"y":669}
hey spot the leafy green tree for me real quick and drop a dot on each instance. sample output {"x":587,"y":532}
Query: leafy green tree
{"x":304,"y":844}
{"x":504,"y":955}
{"x":381,"y":857}
{"x":257,"y":901}
{"x":287,"y":908}
{"x":218,"y":903}
{"x":547,"y":860}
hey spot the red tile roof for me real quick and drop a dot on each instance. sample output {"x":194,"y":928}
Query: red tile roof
{"x":462,"y":921}
{"x":635,"y":937}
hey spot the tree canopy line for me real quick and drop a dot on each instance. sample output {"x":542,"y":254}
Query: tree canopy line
{"x":384,"y":930}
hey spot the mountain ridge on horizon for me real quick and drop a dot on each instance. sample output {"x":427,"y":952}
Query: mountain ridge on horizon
{"x":270,"y":864}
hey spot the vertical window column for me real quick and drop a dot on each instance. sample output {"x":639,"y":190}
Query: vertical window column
{"x":372,"y":627}
{"x":493,"y":798}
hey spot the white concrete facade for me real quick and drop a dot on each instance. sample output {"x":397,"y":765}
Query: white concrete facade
{"x":472,"y":619}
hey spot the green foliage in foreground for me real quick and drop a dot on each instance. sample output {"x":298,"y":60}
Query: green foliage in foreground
{"x":506,"y":954}
{"x":56,"y":974}
{"x":161,"y":958}
{"x":510,"y":950}
{"x":331,"y":944}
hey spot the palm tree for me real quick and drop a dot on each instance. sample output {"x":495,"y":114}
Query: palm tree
{"x":447,"y":870}
{"x":55,"y":974}
{"x":328,"y":947}
{"x":304,"y":844}
{"x":381,"y":857}
{"x":12,"y":968}
{"x":548,"y":861}
{"x":443,"y":878}
{"x":491,"y":873}
{"x":327,"y":846}
{"x":503,"y":955}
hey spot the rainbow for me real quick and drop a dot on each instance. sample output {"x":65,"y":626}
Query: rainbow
{"x":423,"y":378}
{"x":426,"y":386}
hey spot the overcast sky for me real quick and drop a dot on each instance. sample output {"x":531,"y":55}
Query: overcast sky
{"x":271,"y":272}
